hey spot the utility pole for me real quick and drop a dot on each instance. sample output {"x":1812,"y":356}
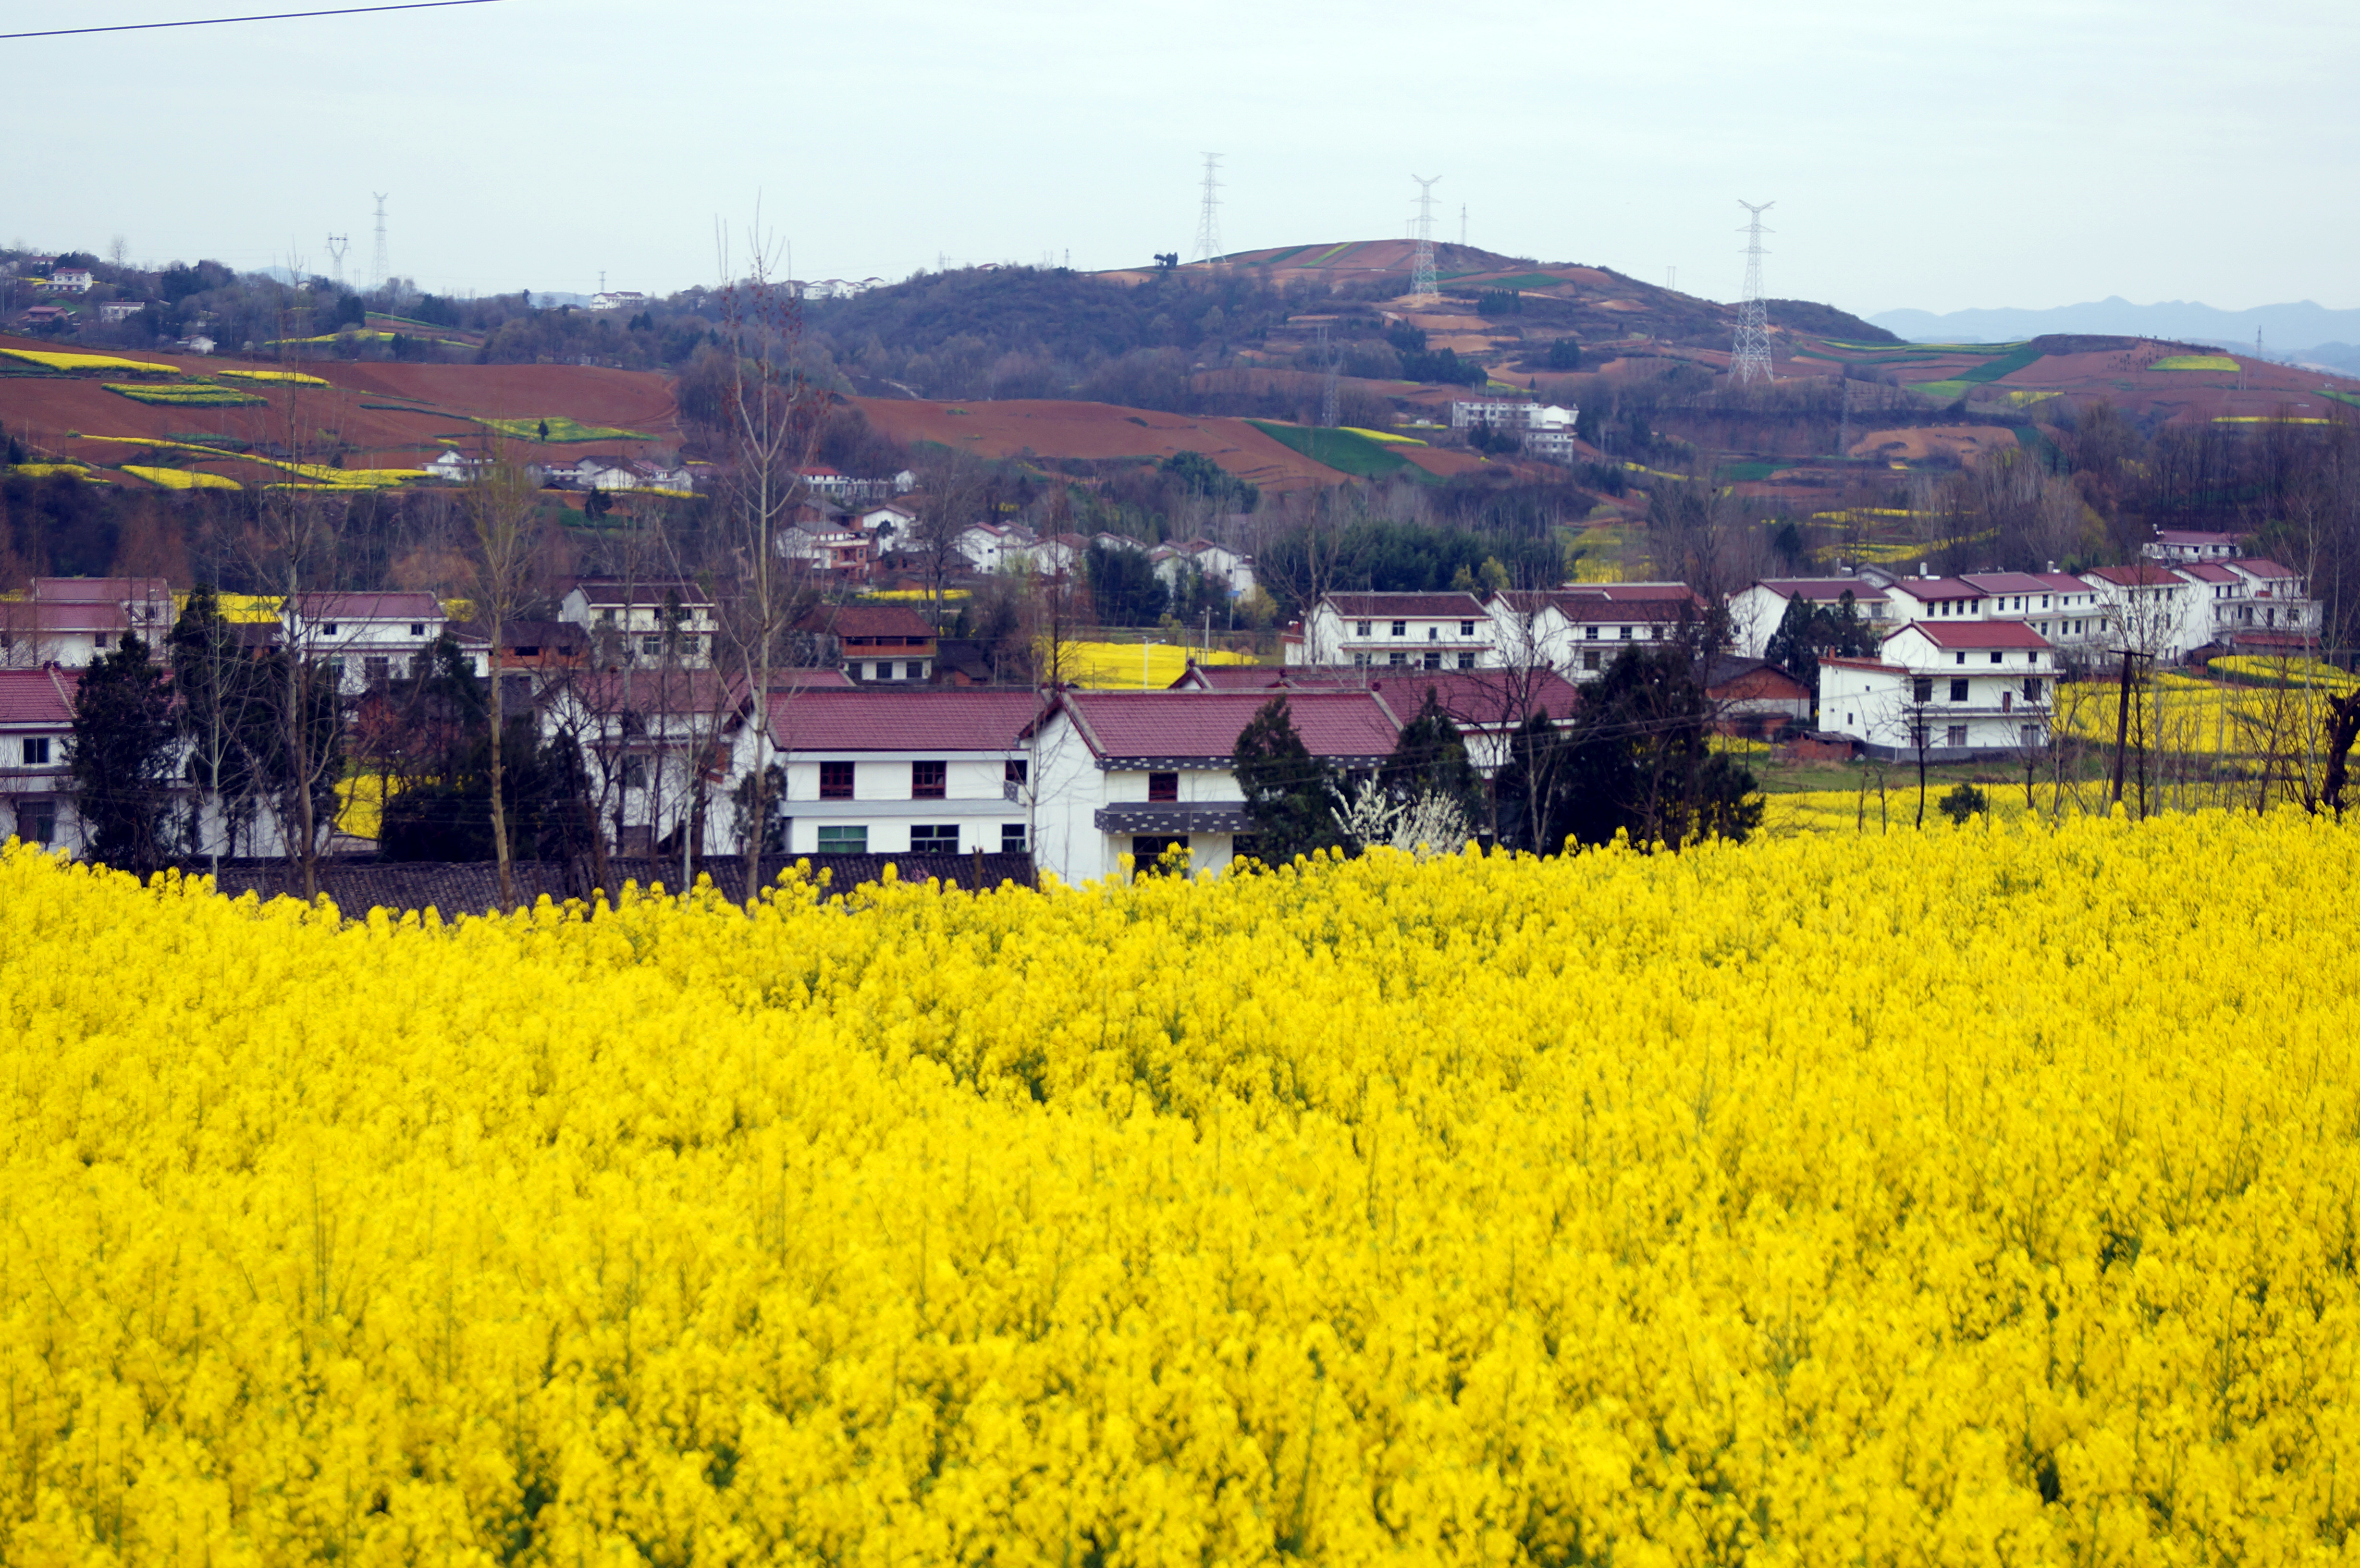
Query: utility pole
{"x":380,"y":265}
{"x":1749,"y":357}
{"x":336,"y":246}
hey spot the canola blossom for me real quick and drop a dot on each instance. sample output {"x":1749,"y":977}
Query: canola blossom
{"x":48,"y":359}
{"x":181,"y":478}
{"x":1980,"y":1196}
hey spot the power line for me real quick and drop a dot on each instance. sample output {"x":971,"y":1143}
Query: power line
{"x":220,"y":21}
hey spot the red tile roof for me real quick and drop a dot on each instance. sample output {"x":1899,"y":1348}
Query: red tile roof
{"x":386,"y":606}
{"x":2190,"y":536}
{"x":2006,"y":581}
{"x":1203,"y":725}
{"x":1239,"y":676}
{"x":1478,"y":698}
{"x":2143,"y":574}
{"x":40,"y":698}
{"x":871,"y":620}
{"x":1974,"y":634}
{"x":98,"y":590}
{"x":2210,"y":571}
{"x":2267,"y":569}
{"x":955,"y":719}
{"x":1930,"y":589}
{"x":1405,"y":607}
{"x":1817,"y":589}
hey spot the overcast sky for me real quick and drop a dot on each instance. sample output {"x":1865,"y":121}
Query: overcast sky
{"x":1999,"y":152}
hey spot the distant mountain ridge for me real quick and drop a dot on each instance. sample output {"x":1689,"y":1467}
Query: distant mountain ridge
{"x":2286,"y":330}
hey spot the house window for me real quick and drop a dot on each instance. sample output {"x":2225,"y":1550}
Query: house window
{"x":1996,"y":657}
{"x":652,"y":645}
{"x":1245,"y":846}
{"x":1958,"y":690}
{"x":1589,"y":659}
{"x":1922,"y":689}
{"x":418,"y":629}
{"x":2032,"y":689}
{"x":37,"y":751}
{"x":929,"y":780}
{"x":1434,"y":662}
{"x":1360,"y":661}
{"x":934,"y":838}
{"x":1466,"y":661}
{"x":1360,"y":628}
{"x":1397,"y":659}
{"x":1164,"y":785}
{"x":1627,"y":634}
{"x":377,"y":672}
{"x":834,"y":781}
{"x":1401,"y":628}
{"x":1590,"y":634}
{"x":2028,"y":736}
{"x":1011,"y":838}
{"x":1016,"y":770}
{"x":1147,"y":851}
{"x":1434,"y":633}
{"x":37,"y":822}
{"x":605,"y":617}
{"x":1956,"y":736}
{"x":1958,"y":657}
{"x":1918,"y":736}
{"x":635,"y":773}
{"x":335,"y":669}
{"x":99,"y":642}
{"x":839,"y":840}
{"x":329,"y":629}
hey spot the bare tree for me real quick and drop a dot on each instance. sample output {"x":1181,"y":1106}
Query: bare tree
{"x":500,"y":502}
{"x":770,"y":424}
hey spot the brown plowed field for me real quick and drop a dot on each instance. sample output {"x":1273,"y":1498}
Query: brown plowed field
{"x":1964,"y":443}
{"x":1052,"y":429}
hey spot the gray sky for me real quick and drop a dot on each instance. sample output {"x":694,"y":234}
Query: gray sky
{"x":2003,"y":152}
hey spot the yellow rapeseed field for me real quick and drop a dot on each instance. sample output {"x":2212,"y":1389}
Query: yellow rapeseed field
{"x":1983,"y":1196}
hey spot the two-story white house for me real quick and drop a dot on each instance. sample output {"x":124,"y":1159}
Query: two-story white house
{"x":70,"y":621}
{"x":1578,"y":630}
{"x":1232,"y":571}
{"x":650,"y":621}
{"x":2268,"y":610}
{"x":2149,"y":609}
{"x":1138,"y":773}
{"x":1965,"y":690}
{"x":1422,"y":631}
{"x":657,"y":749}
{"x":36,"y":722}
{"x":2182,"y":546}
{"x":992,"y":547}
{"x":1755,"y":612}
{"x":364,"y":640}
{"x":885,"y":772}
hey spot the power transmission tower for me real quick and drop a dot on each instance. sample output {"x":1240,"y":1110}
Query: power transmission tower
{"x":1334,"y":354}
{"x":1208,"y":222}
{"x":1750,"y":357}
{"x":1420,"y":278}
{"x":1462,"y":225}
{"x":337,"y":244}
{"x":380,"y":265}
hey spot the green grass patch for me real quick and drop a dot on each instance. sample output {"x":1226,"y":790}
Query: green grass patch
{"x":1328,"y":256}
{"x":1522,"y":280}
{"x":405,"y":408}
{"x":2352,"y":398}
{"x":1289,"y":254}
{"x":2021,"y":359}
{"x":2196,"y":362}
{"x":562,"y":429}
{"x":1341,"y":449}
{"x":1743,"y":472}
{"x":1947,"y":391}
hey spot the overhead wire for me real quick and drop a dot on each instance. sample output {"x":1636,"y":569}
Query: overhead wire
{"x":221,"y":21}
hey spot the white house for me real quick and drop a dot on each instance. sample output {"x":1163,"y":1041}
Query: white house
{"x":1427,"y":631}
{"x":364,"y":639}
{"x":990,"y":546}
{"x":658,"y":621}
{"x":1578,"y":630}
{"x":888,"y":523}
{"x":2059,"y":605}
{"x":1966,"y":690}
{"x":458,"y":467}
{"x":70,"y":621}
{"x":2179,"y":547}
{"x":120,"y":310}
{"x":1232,"y":571}
{"x":2149,"y":609}
{"x":1137,"y":773}
{"x":656,"y":746}
{"x":68,"y":280}
{"x":618,"y":300}
{"x":2269,"y":610}
{"x":36,"y":721}
{"x":1514,"y":413}
{"x":885,"y":772}
{"x":1755,"y":612}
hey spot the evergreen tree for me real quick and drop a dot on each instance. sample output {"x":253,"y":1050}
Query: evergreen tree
{"x":121,"y":757}
{"x":1429,"y":758}
{"x":1290,"y":797}
{"x":1639,"y":759}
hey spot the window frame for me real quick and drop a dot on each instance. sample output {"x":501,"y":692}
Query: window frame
{"x":941,"y":838}
{"x":930,"y":778}
{"x":1164,"y":785}
{"x":834,"y":837}
{"x":836,"y":785}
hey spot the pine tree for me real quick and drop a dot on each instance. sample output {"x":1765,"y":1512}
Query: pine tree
{"x":121,"y":757}
{"x":1290,"y":797}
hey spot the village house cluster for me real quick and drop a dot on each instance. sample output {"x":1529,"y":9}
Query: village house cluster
{"x":883,"y":740}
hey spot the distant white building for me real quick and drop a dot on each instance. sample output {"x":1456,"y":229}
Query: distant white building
{"x":618,"y":300}
{"x":1513,"y":413}
{"x":1425,"y":631}
{"x":1754,"y":612}
{"x":365,"y":641}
